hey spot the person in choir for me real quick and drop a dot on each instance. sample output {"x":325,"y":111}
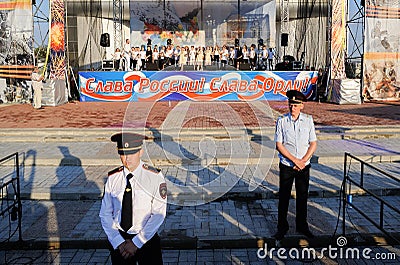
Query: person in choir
{"x":149,"y":56}
{"x":253,"y":57}
{"x":199,"y":59}
{"x":208,"y":56}
{"x":117,"y":59}
{"x":155,"y":57}
{"x":183,"y":58}
{"x":134,"y":59}
{"x":142,"y":58}
{"x":224,"y":57}
{"x":192,"y":57}
{"x":216,"y":56}
{"x":127,"y":55}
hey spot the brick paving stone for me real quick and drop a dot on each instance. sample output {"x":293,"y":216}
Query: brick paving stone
{"x":154,"y":114}
{"x":321,"y":216}
{"x":324,"y":177}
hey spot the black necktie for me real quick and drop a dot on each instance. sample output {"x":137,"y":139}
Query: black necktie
{"x":126,"y":215}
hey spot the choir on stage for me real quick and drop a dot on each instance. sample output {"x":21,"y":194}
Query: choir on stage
{"x":192,"y":58}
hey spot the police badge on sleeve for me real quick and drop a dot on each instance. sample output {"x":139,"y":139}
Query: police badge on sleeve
{"x":163,"y":190}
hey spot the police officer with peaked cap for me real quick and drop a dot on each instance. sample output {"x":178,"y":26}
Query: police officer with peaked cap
{"x":296,"y":142}
{"x":134,"y":205}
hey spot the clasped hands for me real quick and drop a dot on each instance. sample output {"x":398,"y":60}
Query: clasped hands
{"x":127,"y":249}
{"x":299,"y":164}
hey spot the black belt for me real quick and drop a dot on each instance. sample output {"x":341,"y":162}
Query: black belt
{"x":126,"y":235}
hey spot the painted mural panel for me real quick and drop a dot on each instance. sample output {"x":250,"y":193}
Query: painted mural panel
{"x":381,"y":51}
{"x":15,"y":32}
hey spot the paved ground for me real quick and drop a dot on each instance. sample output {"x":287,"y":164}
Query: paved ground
{"x":111,"y":115}
{"x":213,"y":156}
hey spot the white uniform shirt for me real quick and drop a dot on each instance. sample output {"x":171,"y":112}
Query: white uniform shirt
{"x":149,"y":203}
{"x":295,"y":136}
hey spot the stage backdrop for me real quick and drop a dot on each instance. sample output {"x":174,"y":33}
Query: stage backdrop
{"x":381,"y":51}
{"x":197,"y":86}
{"x":202,"y":23}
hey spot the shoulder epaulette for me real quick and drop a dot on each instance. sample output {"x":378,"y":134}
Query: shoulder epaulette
{"x":151,"y":168}
{"x":280,"y":117}
{"x":115,"y":170}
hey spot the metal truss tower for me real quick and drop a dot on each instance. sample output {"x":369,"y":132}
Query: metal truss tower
{"x":40,"y":12}
{"x":284,"y":5}
{"x":355,"y":26}
{"x":284,"y":16}
{"x":117,"y":20}
{"x":41,"y":26}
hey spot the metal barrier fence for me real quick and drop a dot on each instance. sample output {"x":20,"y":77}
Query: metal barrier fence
{"x":10,"y":199}
{"x":347,"y":194}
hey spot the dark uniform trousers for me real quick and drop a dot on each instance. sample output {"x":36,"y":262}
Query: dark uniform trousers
{"x":148,"y":254}
{"x":286,"y":176}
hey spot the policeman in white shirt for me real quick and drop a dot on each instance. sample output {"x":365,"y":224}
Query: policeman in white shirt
{"x":134,"y":205}
{"x":296,"y":142}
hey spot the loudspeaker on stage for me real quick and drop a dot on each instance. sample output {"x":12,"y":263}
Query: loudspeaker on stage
{"x":107,"y":65}
{"x":151,"y":67}
{"x":284,"y":39}
{"x":105,"y":40}
{"x":245,"y":67}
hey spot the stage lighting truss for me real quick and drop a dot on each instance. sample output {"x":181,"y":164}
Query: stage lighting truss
{"x":41,"y":15}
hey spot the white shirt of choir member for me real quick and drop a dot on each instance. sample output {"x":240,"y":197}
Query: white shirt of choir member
{"x":143,"y":55}
{"x":149,"y":204}
{"x":127,"y":48}
{"x":252,"y":54}
{"x":264,"y":53}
